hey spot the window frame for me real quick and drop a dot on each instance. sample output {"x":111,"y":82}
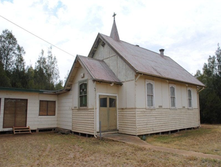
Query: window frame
{"x":0,"y":106}
{"x":175,"y":104}
{"x":47,"y":107}
{"x":79,"y":95}
{"x":153,"y":95}
{"x":190,"y":107}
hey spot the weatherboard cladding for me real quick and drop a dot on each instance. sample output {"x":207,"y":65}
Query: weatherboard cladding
{"x":99,"y":70}
{"x":148,"y":62}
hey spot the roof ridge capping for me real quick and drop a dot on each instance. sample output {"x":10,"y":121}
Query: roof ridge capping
{"x":135,"y":45}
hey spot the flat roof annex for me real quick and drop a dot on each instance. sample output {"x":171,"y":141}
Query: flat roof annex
{"x":27,"y":90}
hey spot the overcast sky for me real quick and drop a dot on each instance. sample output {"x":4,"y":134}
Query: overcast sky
{"x":188,"y":30}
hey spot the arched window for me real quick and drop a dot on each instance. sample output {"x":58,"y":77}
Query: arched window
{"x":189,"y":98}
{"x":150,"y":95}
{"x":172,"y":96}
{"x":83,"y":94}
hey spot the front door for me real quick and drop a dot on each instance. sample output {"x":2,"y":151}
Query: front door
{"x":108,"y":112}
{"x":15,"y":113}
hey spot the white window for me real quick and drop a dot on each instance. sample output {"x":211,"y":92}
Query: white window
{"x":172,"y":97}
{"x":150,"y":94}
{"x":83,"y":94}
{"x":189,"y":98}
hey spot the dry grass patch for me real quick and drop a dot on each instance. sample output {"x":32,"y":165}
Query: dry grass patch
{"x":206,"y":139}
{"x":49,"y":149}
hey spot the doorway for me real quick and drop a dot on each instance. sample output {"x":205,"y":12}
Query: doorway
{"x":15,"y":113}
{"x":108,"y":112}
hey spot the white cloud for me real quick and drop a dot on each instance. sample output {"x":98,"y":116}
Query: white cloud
{"x":188,"y":30}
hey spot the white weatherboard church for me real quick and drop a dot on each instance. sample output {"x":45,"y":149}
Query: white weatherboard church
{"x":127,"y":88}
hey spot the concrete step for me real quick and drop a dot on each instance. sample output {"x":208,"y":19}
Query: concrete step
{"x":107,"y":133}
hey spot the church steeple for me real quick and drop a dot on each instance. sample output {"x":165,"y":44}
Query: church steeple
{"x":114,"y":33}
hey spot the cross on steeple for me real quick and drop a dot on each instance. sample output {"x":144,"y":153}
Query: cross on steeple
{"x":114,"y":15}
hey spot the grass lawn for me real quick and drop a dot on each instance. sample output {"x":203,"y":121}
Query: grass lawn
{"x":51,"y":149}
{"x":206,"y":139}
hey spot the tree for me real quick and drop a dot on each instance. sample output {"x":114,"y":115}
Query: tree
{"x":210,"y":98}
{"x":4,"y":80}
{"x":9,"y":49}
{"x":59,"y":86}
{"x":45,"y":75}
{"x":46,"y":71}
{"x":12,"y":62}
{"x":52,"y":67}
{"x":18,"y":74}
{"x":30,"y":73}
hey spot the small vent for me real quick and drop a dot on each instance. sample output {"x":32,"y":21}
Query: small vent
{"x":102,"y":44}
{"x":82,"y":75}
{"x":161,"y":52}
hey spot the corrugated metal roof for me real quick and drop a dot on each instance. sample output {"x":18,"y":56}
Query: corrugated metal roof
{"x":148,"y":62}
{"x":99,"y":70}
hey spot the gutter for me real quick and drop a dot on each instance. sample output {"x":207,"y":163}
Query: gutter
{"x":109,"y":82}
{"x":169,"y":79}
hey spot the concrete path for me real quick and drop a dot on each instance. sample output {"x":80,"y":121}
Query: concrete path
{"x":134,"y":140}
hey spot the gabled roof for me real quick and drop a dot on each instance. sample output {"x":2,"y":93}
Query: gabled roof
{"x":98,"y":70}
{"x":144,"y":61}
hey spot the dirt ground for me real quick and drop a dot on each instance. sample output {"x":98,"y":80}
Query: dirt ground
{"x":52,"y":149}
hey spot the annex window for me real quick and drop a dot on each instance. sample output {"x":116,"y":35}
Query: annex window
{"x":150,"y":94}
{"x":189,"y":98}
{"x":83,"y":94}
{"x":172,"y":97}
{"x":47,"y":108}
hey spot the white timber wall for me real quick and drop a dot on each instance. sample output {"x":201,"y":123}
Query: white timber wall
{"x":161,"y":120}
{"x":65,"y":102}
{"x":33,"y":119}
{"x":83,"y":117}
{"x":127,"y":108}
{"x":115,"y":62}
{"x":162,"y":117}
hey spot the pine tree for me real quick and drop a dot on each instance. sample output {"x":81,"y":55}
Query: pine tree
{"x":210,"y":98}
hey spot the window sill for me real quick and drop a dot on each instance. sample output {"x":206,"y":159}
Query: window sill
{"x":82,"y":108}
{"x":47,"y":115}
{"x":173,"y":108}
{"x":150,"y":108}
